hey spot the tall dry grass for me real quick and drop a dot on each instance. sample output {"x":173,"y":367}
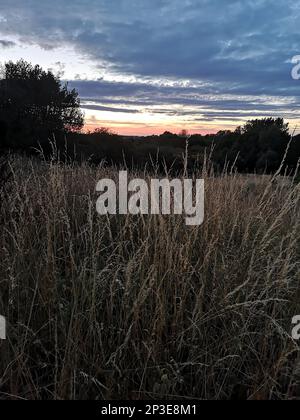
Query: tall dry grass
{"x":144,"y":307}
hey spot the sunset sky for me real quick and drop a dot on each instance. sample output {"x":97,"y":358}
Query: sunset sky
{"x":143,"y":67}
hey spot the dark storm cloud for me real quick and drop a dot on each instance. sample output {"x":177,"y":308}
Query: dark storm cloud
{"x":6,"y":44}
{"x":240,"y":47}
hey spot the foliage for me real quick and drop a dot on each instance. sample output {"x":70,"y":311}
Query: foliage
{"x":260,"y":146}
{"x":35,"y":105}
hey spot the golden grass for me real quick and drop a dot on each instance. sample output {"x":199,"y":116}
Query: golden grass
{"x":144,"y":307}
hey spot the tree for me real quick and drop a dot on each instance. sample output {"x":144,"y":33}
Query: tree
{"x":262,"y":144}
{"x":293,"y":156}
{"x":183,"y":133}
{"x":255,"y":127}
{"x":168,"y":134}
{"x":102,"y":131}
{"x":34,"y":105}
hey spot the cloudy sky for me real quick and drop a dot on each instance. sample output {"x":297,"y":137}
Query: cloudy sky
{"x":143,"y":67}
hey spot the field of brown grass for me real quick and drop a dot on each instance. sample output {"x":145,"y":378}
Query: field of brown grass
{"x":144,"y":307}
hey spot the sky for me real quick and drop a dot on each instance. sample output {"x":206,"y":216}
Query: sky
{"x":143,"y":67}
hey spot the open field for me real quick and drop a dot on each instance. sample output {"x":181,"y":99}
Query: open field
{"x":134,"y":307}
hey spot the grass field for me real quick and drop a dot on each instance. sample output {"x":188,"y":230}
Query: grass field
{"x":135,"y":307}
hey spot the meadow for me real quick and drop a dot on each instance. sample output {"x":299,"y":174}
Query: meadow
{"x":144,"y":307}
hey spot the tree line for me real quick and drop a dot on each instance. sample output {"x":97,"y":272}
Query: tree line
{"x":36,"y":106}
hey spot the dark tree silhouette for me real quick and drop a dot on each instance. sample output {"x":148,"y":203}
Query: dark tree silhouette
{"x":257,"y":126}
{"x":262,"y":144}
{"x":34,"y":104}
